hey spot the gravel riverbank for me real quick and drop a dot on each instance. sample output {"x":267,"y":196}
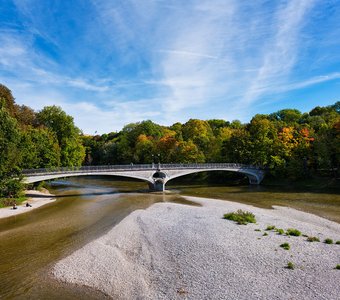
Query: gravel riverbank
{"x":35,"y":199}
{"x":174,"y":251}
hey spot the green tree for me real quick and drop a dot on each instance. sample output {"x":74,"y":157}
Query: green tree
{"x":10,"y":155}
{"x":199,"y":132}
{"x":8,"y":99}
{"x":39,"y":148}
{"x":262,"y":141}
{"x":188,"y":152}
{"x":25,"y":115}
{"x":288,"y":116}
{"x":68,"y":135}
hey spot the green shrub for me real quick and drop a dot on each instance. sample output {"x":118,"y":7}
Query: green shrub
{"x":42,"y":185}
{"x":265,"y":234}
{"x":279,"y":231}
{"x":270,"y":227}
{"x":293,"y":232}
{"x":328,"y":241}
{"x":285,"y":246}
{"x":241,"y":217}
{"x":257,"y":229}
{"x":290,"y":265}
{"x":337,"y":267}
{"x":337,"y":242}
{"x":313,"y":239}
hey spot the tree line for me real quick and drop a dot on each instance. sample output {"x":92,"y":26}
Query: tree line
{"x":287,"y":143}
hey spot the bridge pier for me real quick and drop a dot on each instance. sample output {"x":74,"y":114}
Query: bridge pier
{"x":158,"y":186}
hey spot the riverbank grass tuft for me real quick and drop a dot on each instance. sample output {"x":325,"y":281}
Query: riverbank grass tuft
{"x":328,"y":241}
{"x":270,"y":227}
{"x":285,"y":246}
{"x":279,"y":231}
{"x":313,"y":239}
{"x":290,"y":265}
{"x":337,"y":267}
{"x":293,"y":232}
{"x":241,"y":217}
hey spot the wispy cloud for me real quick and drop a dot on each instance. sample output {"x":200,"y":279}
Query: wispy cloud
{"x":187,"y":53}
{"x":280,"y":54}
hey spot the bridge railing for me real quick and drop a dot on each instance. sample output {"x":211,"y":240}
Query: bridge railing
{"x":134,"y":167}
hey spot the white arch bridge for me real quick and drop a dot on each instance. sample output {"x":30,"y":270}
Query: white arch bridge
{"x":157,"y":175}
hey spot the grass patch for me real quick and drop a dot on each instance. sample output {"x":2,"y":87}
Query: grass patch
{"x":290,"y":265}
{"x":285,"y":246}
{"x":337,"y":267}
{"x":241,"y":217}
{"x":328,"y":241}
{"x":313,"y":239}
{"x":257,"y":229}
{"x":279,"y":231}
{"x":270,"y":227}
{"x":293,"y":232}
{"x":337,"y":242}
{"x":265,"y":234}
{"x":5,"y":202}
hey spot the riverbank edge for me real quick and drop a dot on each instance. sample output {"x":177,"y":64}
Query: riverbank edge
{"x":34,"y":198}
{"x":140,"y":256}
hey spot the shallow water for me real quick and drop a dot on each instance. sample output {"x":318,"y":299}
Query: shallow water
{"x":87,"y":207}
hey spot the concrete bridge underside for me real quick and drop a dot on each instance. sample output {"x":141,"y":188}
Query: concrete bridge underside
{"x":156,"y":178}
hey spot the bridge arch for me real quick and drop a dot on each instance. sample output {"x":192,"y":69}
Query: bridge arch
{"x":34,"y":179}
{"x":252,"y":176}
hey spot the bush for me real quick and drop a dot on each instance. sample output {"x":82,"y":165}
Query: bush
{"x":293,"y":232}
{"x":337,"y":242}
{"x":42,"y":185}
{"x":313,"y":239}
{"x":290,"y":265}
{"x":11,"y":188}
{"x":265,"y":234}
{"x":328,"y":241}
{"x":270,"y":227}
{"x":241,"y":217}
{"x":257,"y":229}
{"x":285,"y":246}
{"x":337,"y":267}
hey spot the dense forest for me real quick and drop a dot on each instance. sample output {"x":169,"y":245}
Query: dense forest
{"x":287,"y":143}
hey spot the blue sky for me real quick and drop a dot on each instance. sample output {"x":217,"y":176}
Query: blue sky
{"x":108,"y":63}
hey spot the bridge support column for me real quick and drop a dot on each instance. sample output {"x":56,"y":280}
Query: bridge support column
{"x":158,"y":186}
{"x":253,"y":180}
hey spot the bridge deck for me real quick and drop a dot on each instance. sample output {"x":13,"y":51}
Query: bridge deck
{"x":137,"y":167}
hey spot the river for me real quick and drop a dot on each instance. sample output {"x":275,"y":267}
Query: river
{"x":87,"y":207}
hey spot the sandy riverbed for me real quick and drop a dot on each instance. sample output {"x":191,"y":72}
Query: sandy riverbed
{"x":173,"y":251}
{"x":35,"y":198}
